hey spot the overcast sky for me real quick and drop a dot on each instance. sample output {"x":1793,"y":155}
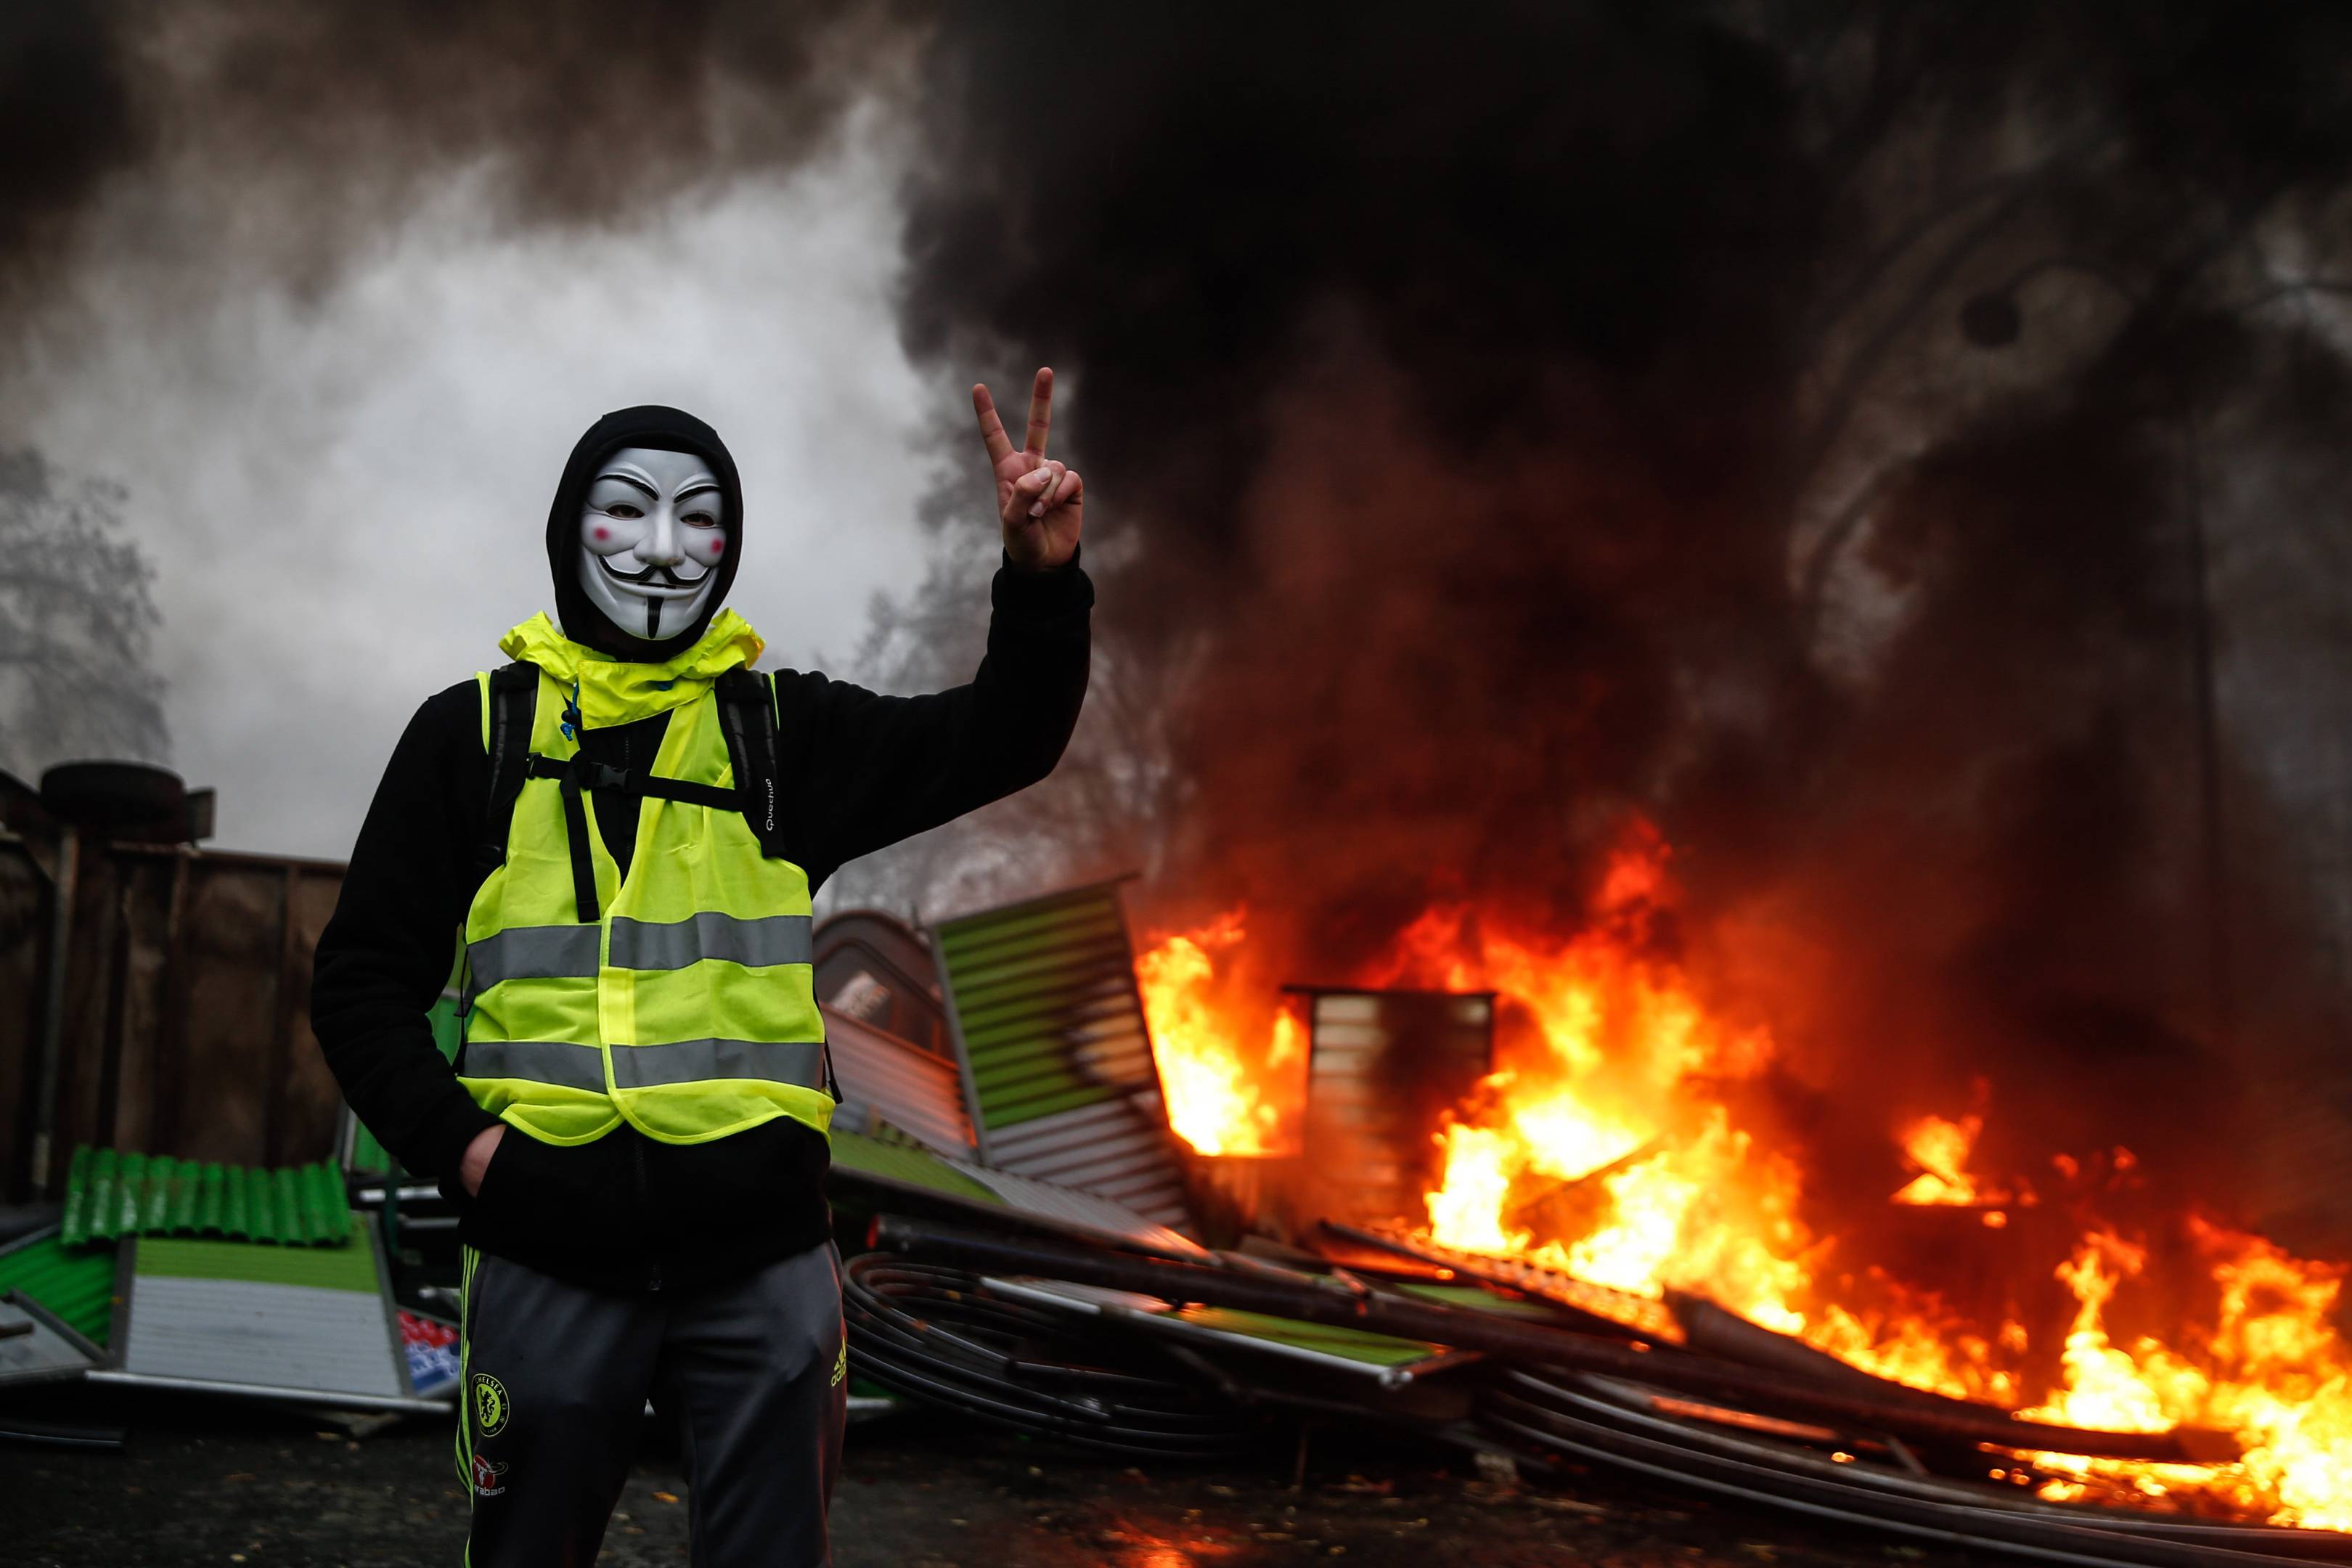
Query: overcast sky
{"x":344,"y":493}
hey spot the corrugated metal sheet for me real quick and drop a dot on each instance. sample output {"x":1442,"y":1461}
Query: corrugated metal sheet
{"x":230,"y":1316}
{"x":1381,"y":1067}
{"x":1355,"y":1350}
{"x":1119,"y":1149}
{"x":109,"y":1194}
{"x":75,"y":1284}
{"x":906,"y":1166}
{"x":1080,"y":1214}
{"x":1059,"y":1074}
{"x":1084,"y":1210}
{"x":887,"y":1083}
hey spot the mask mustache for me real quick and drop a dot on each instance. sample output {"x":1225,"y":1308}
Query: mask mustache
{"x":655,"y":575}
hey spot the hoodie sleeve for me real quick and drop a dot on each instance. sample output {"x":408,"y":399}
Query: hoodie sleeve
{"x":881,"y":769}
{"x":385,"y":956}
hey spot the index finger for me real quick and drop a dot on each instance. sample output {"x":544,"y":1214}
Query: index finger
{"x":991,"y":429}
{"x":1041,"y":410}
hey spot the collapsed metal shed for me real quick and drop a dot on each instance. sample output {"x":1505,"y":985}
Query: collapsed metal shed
{"x":1057,"y":1065}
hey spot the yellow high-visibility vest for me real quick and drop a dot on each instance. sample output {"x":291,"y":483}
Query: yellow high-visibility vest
{"x":687,"y":1008}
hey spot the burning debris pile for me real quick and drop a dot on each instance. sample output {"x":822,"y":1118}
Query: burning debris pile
{"x":1647,"y":1162}
{"x":1545,"y":1192}
{"x":1830,"y":443}
{"x":1833,"y":438}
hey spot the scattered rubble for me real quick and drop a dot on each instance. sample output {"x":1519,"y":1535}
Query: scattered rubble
{"x":1026,"y":1259}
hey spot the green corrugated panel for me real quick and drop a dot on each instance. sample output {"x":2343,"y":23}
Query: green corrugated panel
{"x":109,"y":1194}
{"x":1056,"y":1051}
{"x":75,"y":1284}
{"x":212,"y":1200}
{"x":74,"y":1222}
{"x":903,"y":1164}
{"x":153,"y":1199}
{"x":367,"y":1154}
{"x":119,"y":1209}
{"x":236,"y":1204}
{"x":331,"y":1198}
{"x":1045,"y":1006}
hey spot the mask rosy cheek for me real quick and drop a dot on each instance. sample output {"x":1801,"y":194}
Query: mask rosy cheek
{"x":600,"y":532}
{"x":718,"y":547}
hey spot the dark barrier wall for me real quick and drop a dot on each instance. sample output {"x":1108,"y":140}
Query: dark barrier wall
{"x":188,"y":1002}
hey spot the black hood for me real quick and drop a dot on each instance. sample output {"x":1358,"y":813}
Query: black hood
{"x":664,"y":430}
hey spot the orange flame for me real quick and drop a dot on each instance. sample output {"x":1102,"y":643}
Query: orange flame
{"x":1220,"y":1099}
{"x":1938,"y":1150}
{"x":1607,"y":1143}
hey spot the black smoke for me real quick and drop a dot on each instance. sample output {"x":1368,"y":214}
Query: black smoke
{"x":1517,"y":422}
{"x":1801,"y":423}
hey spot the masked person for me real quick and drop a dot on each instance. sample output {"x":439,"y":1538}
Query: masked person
{"x":621,"y":831}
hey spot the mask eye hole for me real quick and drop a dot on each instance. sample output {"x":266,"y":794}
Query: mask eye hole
{"x":700,"y":520}
{"x":622,"y":511}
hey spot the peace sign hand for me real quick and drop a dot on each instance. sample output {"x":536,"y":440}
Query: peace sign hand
{"x":1041,"y":505}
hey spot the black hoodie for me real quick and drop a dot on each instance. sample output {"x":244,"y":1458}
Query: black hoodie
{"x":860,"y":771}
{"x":663,"y":430}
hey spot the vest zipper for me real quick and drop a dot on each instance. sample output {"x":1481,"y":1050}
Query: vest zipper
{"x":645,"y":1206}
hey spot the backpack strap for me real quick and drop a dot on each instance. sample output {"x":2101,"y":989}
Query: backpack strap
{"x":747,"y":710}
{"x":513,"y":698}
{"x":747,"y":719}
{"x":579,"y":771}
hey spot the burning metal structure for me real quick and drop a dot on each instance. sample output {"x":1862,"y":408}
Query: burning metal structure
{"x":1642,"y":1145}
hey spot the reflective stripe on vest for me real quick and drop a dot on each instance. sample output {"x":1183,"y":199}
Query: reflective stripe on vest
{"x":642,"y":1067}
{"x":532,"y":953}
{"x":689,"y":1009}
{"x":568,"y":952}
{"x":673,"y":945}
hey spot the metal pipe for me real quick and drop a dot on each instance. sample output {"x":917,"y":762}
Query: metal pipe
{"x":1951,"y":1420}
{"x":2088,"y":1539}
{"x":1596,"y":1445}
{"x":1628,"y":1407}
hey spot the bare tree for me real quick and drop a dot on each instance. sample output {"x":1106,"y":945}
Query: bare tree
{"x":78,"y":619}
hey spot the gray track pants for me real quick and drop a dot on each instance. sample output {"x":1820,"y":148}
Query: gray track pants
{"x":556,"y":1380}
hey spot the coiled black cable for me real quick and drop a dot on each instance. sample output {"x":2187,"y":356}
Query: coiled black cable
{"x":1558,"y":1413}
{"x":940,"y":1336}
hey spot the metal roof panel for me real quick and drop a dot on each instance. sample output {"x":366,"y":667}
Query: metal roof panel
{"x":1055,"y":1053}
{"x":887,"y":1081}
{"x":110,"y":1193}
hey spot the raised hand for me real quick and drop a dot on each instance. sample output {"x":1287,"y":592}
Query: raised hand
{"x":1042,"y":504}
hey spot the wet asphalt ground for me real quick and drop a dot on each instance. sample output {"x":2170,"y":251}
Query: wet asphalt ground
{"x":208,"y":1483}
